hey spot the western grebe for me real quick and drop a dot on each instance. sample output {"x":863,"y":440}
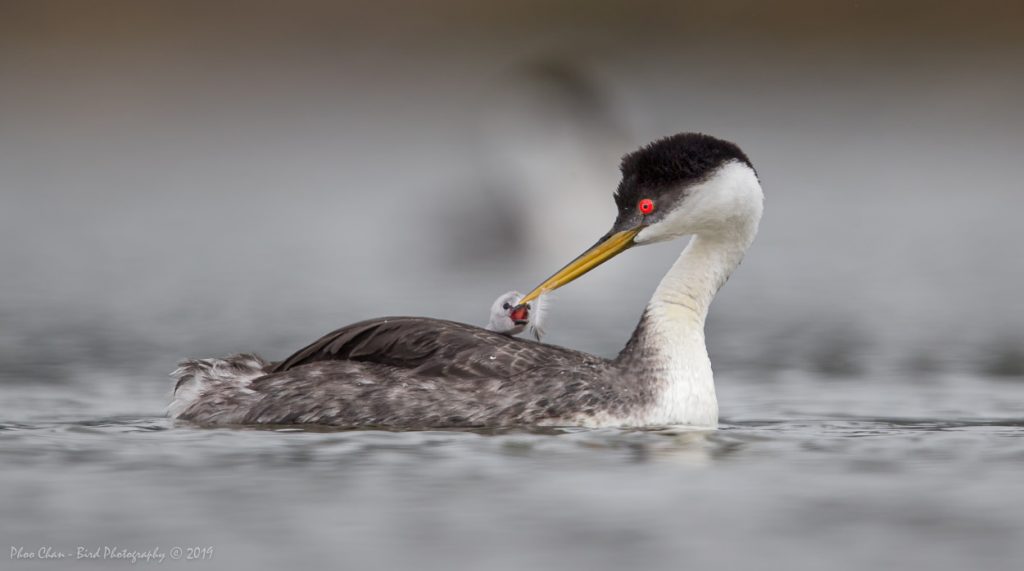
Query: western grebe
{"x":510,"y":317}
{"x":414,"y":372}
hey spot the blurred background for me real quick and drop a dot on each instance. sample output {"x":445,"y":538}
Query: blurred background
{"x":188,"y":179}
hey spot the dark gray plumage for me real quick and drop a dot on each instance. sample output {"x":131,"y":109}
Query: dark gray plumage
{"x":410,"y":372}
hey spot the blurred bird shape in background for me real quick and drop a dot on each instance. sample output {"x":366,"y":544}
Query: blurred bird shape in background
{"x":548,"y":136}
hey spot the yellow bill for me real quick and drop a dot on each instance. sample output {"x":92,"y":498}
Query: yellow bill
{"x":595,"y":256}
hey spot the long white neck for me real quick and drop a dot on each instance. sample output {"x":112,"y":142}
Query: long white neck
{"x":668,"y":346}
{"x":685,"y":293}
{"x":669,"y":343}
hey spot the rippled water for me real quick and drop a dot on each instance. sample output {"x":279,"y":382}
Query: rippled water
{"x":802,"y":474}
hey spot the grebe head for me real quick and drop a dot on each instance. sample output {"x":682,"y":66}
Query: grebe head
{"x":510,"y":317}
{"x":506,"y":317}
{"x":681,"y":185}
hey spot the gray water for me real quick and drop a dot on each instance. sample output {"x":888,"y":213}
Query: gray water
{"x":191,"y":182}
{"x":802,"y":474}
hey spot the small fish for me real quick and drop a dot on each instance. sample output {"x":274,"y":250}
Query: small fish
{"x":511,"y":318}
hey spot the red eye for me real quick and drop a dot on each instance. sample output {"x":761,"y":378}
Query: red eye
{"x":646,"y":206}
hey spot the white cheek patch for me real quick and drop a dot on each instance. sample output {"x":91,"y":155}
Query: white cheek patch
{"x":672,"y":226}
{"x":731,"y":192}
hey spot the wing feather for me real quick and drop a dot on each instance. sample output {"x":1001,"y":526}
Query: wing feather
{"x":434,"y":348}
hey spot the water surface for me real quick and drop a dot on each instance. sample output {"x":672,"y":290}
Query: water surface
{"x":797,"y":477}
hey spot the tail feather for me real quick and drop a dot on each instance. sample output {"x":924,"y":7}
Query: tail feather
{"x":198,"y":377}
